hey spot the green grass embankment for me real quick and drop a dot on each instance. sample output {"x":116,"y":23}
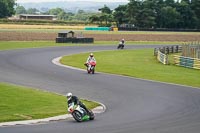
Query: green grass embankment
{"x":22,"y":103}
{"x":139,"y":64}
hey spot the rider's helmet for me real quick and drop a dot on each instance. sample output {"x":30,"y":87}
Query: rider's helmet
{"x":91,"y":55}
{"x":69,"y":96}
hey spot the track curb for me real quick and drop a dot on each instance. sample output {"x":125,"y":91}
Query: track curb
{"x":97,"y":110}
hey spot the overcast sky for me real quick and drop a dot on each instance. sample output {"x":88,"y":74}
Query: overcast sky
{"x":25,"y":1}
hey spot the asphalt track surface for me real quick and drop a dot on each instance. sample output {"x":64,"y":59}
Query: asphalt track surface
{"x":133,"y":105}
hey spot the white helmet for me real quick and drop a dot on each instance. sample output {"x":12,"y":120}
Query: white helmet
{"x":91,"y":54}
{"x":69,"y":96}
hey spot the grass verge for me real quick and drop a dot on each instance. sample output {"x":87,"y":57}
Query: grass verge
{"x":8,"y":45}
{"x":139,"y":64}
{"x":22,"y":103}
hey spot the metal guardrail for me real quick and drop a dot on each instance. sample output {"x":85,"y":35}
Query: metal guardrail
{"x":187,"y":62}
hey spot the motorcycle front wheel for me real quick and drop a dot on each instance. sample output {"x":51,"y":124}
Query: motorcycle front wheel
{"x":93,"y":71}
{"x":77,"y":116}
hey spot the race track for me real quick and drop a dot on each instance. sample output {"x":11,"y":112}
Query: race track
{"x":133,"y":105}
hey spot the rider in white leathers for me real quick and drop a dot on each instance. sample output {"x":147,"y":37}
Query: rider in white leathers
{"x":90,"y":59}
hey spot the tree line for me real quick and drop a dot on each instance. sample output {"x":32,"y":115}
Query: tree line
{"x":178,"y":14}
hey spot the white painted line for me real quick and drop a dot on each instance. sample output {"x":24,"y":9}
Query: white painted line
{"x":56,"y":61}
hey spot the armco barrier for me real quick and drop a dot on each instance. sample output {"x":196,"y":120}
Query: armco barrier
{"x":187,"y":62}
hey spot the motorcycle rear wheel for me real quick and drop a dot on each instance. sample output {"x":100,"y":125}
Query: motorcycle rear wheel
{"x":91,"y":115}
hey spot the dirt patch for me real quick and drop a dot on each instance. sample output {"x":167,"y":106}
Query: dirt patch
{"x":27,"y":36}
{"x":37,"y":36}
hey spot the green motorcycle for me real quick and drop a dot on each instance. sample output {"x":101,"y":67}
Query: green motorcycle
{"x":79,"y":113}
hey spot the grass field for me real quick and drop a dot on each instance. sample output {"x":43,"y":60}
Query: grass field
{"x":22,"y":103}
{"x":10,"y":45}
{"x":56,"y":28}
{"x":139,"y":64}
{"x":12,"y":32}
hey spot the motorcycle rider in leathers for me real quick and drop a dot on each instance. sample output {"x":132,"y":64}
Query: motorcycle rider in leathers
{"x":121,"y":44}
{"x":89,"y":59}
{"x":75,"y":100}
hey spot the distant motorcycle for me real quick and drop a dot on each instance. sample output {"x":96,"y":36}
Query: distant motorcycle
{"x":120,"y":46}
{"x":91,"y":67}
{"x":79,"y":113}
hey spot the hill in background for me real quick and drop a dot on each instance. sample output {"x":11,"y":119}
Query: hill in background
{"x":72,"y":6}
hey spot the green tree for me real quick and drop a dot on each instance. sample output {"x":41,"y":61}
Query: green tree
{"x":94,"y":19}
{"x":120,"y":14}
{"x":170,"y":3}
{"x":195,"y":5}
{"x":20,"y":10}
{"x":170,"y":17}
{"x":7,"y":8}
{"x":159,"y":13}
{"x":146,"y":18}
{"x":32,"y":11}
{"x":132,"y":11}
{"x":147,"y":14}
{"x":106,"y":17}
{"x":55,"y":11}
{"x":105,"y":10}
{"x":186,"y":1}
{"x":187,"y":16}
{"x":62,"y":16}
{"x":158,"y":5}
{"x":81,"y":15}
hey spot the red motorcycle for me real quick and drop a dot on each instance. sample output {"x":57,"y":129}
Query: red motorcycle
{"x":91,"y":67}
